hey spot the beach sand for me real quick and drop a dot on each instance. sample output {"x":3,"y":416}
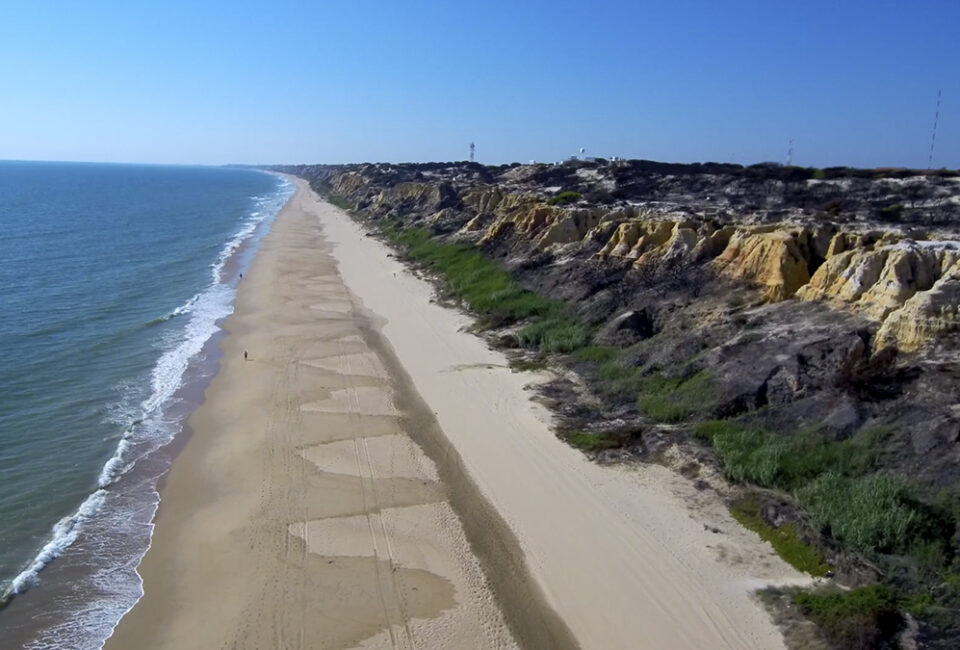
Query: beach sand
{"x":375,"y":476}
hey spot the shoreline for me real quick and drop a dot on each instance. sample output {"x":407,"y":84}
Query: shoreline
{"x":95,"y":553}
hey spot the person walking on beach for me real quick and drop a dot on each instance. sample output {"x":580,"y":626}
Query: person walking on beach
{"x":244,"y":355}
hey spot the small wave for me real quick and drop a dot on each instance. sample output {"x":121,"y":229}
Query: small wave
{"x":185,"y":308}
{"x":64,"y":534}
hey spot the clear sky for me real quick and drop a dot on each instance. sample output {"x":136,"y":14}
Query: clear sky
{"x":852,"y":82}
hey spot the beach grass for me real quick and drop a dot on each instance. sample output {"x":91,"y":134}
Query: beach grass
{"x":837,"y":483}
{"x":752,"y":454}
{"x":668,"y":399}
{"x":489,"y":290}
{"x":592,"y":441}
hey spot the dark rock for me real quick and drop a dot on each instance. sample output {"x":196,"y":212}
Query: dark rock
{"x":507,"y":341}
{"x":626,"y":329}
{"x":843,"y":418}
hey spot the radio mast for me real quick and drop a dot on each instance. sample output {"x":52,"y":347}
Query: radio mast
{"x":933,"y":138}
{"x":472,"y":149}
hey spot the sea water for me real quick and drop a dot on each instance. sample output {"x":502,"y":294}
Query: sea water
{"x":114,"y":280}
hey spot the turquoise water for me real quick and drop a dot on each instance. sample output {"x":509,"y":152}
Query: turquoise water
{"x":113,"y":279}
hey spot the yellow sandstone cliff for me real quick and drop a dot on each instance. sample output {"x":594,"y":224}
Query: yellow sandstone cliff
{"x":910,"y":288}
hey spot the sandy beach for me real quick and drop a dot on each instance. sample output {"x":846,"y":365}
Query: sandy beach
{"x":374,"y":476}
{"x":300,"y":514}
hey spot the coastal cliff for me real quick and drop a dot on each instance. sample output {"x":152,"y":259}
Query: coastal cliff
{"x":802,"y":309}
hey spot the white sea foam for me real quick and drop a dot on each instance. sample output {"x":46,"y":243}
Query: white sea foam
{"x":148,"y":429}
{"x":64,"y":534}
{"x":185,"y":308}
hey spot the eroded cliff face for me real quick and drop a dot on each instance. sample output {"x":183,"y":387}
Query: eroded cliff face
{"x":857,"y":263}
{"x":824,"y":296}
{"x":873,"y":272}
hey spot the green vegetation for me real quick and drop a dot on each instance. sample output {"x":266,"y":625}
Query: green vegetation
{"x":671,"y":400}
{"x":751,"y":454}
{"x":596,"y":354}
{"x":617,"y":380}
{"x":523,"y":365}
{"x":859,"y":618}
{"x":592,"y":441}
{"x":562,"y":333}
{"x":565,"y":197}
{"x":837,"y":483}
{"x":785,"y":539}
{"x":488,"y":289}
{"x":869,"y":513}
{"x":664,"y":399}
{"x":330,"y":197}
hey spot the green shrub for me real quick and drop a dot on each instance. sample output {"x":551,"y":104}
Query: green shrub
{"x":754,"y":455}
{"x":617,"y":380}
{"x":869,"y":513}
{"x":668,"y":399}
{"x":565,"y":197}
{"x":866,"y":617}
{"x":663,"y":410}
{"x":596,"y":354}
{"x":592,"y":441}
{"x":708,"y":429}
{"x":555,"y":334}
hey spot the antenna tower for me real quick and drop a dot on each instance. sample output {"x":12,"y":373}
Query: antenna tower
{"x":790,"y":153}
{"x":933,"y":138}
{"x":472,"y":149}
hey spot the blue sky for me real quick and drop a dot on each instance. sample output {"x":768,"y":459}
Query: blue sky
{"x":851,"y":82}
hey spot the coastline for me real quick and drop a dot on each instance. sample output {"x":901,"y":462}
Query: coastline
{"x":84,"y":580}
{"x":299,"y":506}
{"x":614,"y":555}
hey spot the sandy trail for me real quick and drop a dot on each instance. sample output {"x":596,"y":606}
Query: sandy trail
{"x":626,"y":557}
{"x":301,"y":514}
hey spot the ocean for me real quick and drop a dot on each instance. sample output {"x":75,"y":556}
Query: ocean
{"x":114,"y":280}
